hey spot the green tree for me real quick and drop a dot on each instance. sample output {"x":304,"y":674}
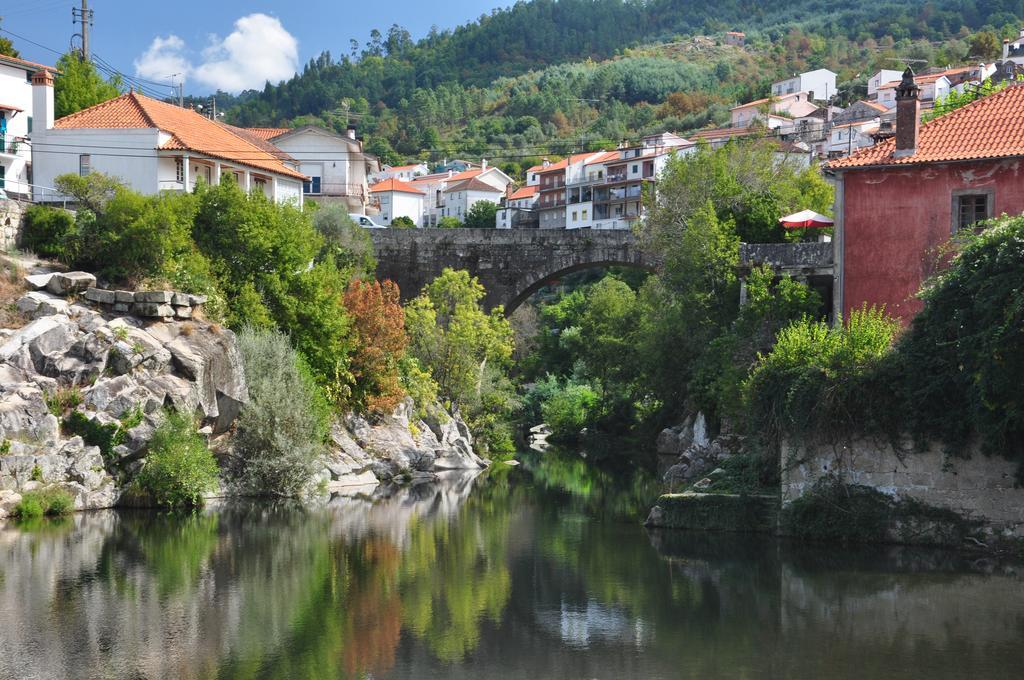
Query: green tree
{"x":7,"y":47}
{"x":80,"y":86}
{"x":449,"y":222}
{"x":450,"y":333}
{"x":481,"y":215}
{"x":403,"y":222}
{"x":179,"y":467}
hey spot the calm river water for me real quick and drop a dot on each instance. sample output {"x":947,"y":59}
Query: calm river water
{"x":519,"y":573}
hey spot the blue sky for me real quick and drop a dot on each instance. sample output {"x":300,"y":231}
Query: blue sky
{"x":222,"y":43}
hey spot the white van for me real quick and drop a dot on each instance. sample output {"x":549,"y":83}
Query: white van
{"x":364,"y":221}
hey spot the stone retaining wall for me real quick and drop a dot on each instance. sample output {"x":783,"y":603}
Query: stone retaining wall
{"x":11,"y":215}
{"x":151,"y":304}
{"x":978,"y":486}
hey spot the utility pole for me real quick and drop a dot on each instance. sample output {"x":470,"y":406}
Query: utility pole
{"x":83,"y":16}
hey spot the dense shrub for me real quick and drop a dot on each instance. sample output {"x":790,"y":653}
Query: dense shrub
{"x":403,"y":222}
{"x":379,"y":324}
{"x":50,"y":232}
{"x":47,"y":501}
{"x":179,"y":467}
{"x":569,"y":410}
{"x":281,"y":431}
{"x":482,"y":215}
{"x":964,"y":353}
{"x":813,"y":382}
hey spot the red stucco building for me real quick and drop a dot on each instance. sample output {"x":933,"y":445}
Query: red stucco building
{"x":899,"y":202}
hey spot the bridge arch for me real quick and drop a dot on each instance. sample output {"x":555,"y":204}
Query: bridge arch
{"x":512,"y":264}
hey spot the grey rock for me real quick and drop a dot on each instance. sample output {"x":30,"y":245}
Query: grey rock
{"x":124,"y":296}
{"x":38,"y":281}
{"x":179,"y":300}
{"x":30,"y":302}
{"x":184,"y":312}
{"x":63,"y":283}
{"x":152,"y":309}
{"x":161,"y":297}
{"x":100,"y":296}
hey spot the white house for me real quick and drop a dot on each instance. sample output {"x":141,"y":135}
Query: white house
{"x":16,"y":119}
{"x":336,"y":165}
{"x":819,"y":84}
{"x":399,"y":199}
{"x":461,"y":196}
{"x":404,"y":173}
{"x":434,"y":186}
{"x":152,"y":146}
{"x":1014,"y":50}
{"x":933,"y":87}
{"x":846,"y":138}
{"x":881,"y":78}
{"x":518,"y":209}
{"x":793,"y":105}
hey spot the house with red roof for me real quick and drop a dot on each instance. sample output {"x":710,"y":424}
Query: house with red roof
{"x":396,"y":198}
{"x":899,"y":203}
{"x":16,"y":121}
{"x":518,"y":209}
{"x":435,"y":186}
{"x":154,"y":146}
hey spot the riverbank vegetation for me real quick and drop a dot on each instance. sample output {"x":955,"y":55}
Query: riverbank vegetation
{"x":632,"y":352}
{"x":319,"y":335}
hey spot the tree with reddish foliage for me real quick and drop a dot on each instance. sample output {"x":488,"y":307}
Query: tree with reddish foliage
{"x":379,"y":323}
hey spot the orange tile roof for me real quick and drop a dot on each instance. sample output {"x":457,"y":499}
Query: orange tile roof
{"x":267,"y":133}
{"x":189,"y":130}
{"x":717,"y":133}
{"x":991,"y":127}
{"x":22,"y":63}
{"x":875,"y":105}
{"x":524,"y":192}
{"x":758,"y":102}
{"x":406,"y":167}
{"x":560,"y":165}
{"x":395,"y":185}
{"x":466,"y":174}
{"x":472,"y":184}
{"x":604,"y":157}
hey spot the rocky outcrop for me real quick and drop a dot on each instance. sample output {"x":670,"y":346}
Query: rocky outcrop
{"x":399,"y":448}
{"x":106,"y":374}
{"x":697,"y":455}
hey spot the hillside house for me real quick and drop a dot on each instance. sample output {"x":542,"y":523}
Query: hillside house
{"x":337,"y":167}
{"x":16,"y":120}
{"x":899,"y":202}
{"x":932,"y":87}
{"x":846,"y":138}
{"x":405,"y":173}
{"x":793,"y":105}
{"x":861,"y":110}
{"x":819,"y":85}
{"x":461,"y":196}
{"x":435,"y":185}
{"x":883,"y":77}
{"x":396,"y":198}
{"x":735,"y":38}
{"x":153,"y":146}
{"x":518,"y":209}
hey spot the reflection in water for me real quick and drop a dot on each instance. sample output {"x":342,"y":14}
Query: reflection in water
{"x":540,"y":572}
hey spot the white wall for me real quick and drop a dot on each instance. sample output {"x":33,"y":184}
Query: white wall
{"x":400,"y":204}
{"x":881,"y":78}
{"x":820,"y":84}
{"x":337,"y":159}
{"x":128,"y":155}
{"x":787,"y":86}
{"x":15,"y":90}
{"x":579,"y":215}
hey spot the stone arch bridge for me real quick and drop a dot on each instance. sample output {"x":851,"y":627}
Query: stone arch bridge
{"x":512,"y":264}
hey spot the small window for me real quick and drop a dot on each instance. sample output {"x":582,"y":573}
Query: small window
{"x":969,"y":209}
{"x":312,"y":186}
{"x":179,"y":170}
{"x":30,"y":124}
{"x":84,"y":164}
{"x":635,"y":168}
{"x":574,"y":216}
{"x":584,"y":215}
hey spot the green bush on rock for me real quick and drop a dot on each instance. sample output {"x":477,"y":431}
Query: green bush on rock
{"x":281,"y":431}
{"x":47,"y":501}
{"x":179,"y":467}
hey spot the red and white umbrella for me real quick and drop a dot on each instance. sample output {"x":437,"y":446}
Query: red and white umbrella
{"x":806,"y":219}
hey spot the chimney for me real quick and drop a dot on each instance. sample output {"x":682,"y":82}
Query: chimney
{"x":42,"y":100}
{"x":908,"y":115}
{"x":483,"y":163}
{"x":546,"y":162}
{"x":351,"y":132}
{"x":1006,"y":48}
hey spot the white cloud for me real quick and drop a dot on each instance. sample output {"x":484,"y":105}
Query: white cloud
{"x":258,"y":50}
{"x":164,"y":57}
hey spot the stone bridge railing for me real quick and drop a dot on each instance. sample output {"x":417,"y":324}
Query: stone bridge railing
{"x":787,"y":256}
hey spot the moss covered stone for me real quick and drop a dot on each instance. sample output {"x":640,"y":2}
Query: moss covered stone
{"x":716,"y":512}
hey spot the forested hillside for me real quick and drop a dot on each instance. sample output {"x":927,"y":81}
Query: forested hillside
{"x":548,"y":75}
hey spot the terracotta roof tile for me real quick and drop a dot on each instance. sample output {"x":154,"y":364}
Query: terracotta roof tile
{"x":188,"y":130}
{"x":267,"y":133}
{"x":395,"y":185}
{"x":472,"y":184}
{"x":524,"y":192}
{"x":991,"y":127}
{"x":27,"y":65}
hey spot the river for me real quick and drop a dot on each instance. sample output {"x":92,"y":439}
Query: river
{"x":541,"y":571}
